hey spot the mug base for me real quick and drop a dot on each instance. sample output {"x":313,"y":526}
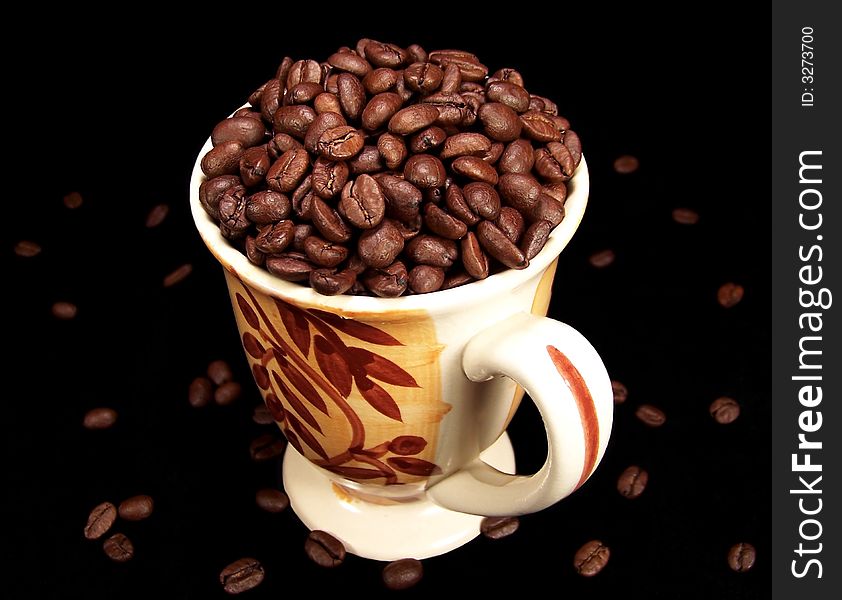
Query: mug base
{"x":418,"y":529}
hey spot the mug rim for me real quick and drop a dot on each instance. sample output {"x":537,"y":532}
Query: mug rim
{"x":260,"y":279}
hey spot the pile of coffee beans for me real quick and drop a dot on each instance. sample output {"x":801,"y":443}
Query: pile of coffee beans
{"x":387,"y":171}
{"x":117,"y":547}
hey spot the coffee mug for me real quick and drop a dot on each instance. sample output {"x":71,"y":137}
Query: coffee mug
{"x":395,"y":409}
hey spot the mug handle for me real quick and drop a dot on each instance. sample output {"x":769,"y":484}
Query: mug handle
{"x":565,"y":377}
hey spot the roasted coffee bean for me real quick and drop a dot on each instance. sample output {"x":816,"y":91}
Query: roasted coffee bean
{"x":741,"y":557}
{"x":254,"y":163}
{"x":302,"y":198}
{"x":118,"y":548}
{"x":328,"y":222}
{"x":472,"y":87}
{"x":212,"y":190}
{"x":223,"y":159}
{"x":729,"y":294}
{"x":499,"y":121}
{"x":28,"y":248}
{"x":302,"y":71}
{"x":156,"y":216}
{"x":571,"y":141}
{"x":219,"y":372}
{"x":332,"y":87}
{"x":380,"y":80}
{"x":227,"y":393}
{"x":282,"y":73}
{"x":424,"y":279}
{"x":389,"y":282}
{"x":300,"y":235}
{"x":474,"y":259}
{"x":557,"y":191}
{"x":294,"y":120}
{"x":266,"y":447}
{"x":423,"y":77}
{"x":200,"y":392}
{"x":303,"y":93}
{"x":273,"y":239}
{"x":555,"y":163}
{"x":232,"y":209}
{"x":413,"y":118}
{"x":244,"y":130}
{"x":434,"y":195}
{"x":632,"y":482}
{"x":262,"y":415}
{"x":621,"y":392}
{"x":465,"y":144}
{"x":329,"y":177}
{"x":519,"y":191}
{"x":100,"y":520}
{"x":458,"y":206}
{"x":266,"y":207}
{"x":425,"y":171}
{"x":440,"y":222}
{"x":327,"y":102}
{"x":99,"y":418}
{"x":380,"y":109}
{"x":403,"y":574}
{"x":241,"y":575}
{"x":331,"y":282}
{"x":427,"y":139}
{"x":286,"y":172}
{"x":323,"y":122}
{"x":363,"y":203}
{"x":469,"y":65}
{"x":539,"y":126}
{"x":354,"y":64}
{"x":475,"y":168}
{"x":178,"y":275}
{"x":518,"y":157}
{"x":340,"y":143}
{"x":510,"y":222}
{"x":626,"y":164}
{"x":453,"y":110}
{"x":482,"y":199}
{"x":324,"y":253}
{"x":650,"y":415}
{"x":416,"y":53}
{"x":271,"y":500}
{"x":289,"y":267}
{"x":547,"y":209}
{"x":432,"y":250}
{"x":379,"y":247}
{"x":499,"y":246}
{"x":136,"y":508}
{"x":351,"y":95}
{"x":591,"y":558}
{"x":324,"y":549}
{"x":455,"y":279}
{"x":280,"y":143}
{"x":493,"y":155}
{"x":724,"y":410}
{"x":384,"y":55}
{"x":602,"y":259}
{"x":367,"y":161}
{"x":495,"y":528}
{"x":400,"y":88}
{"x":685,"y":216}
{"x":535,"y":238}
{"x":510,"y":94}
{"x":270,"y":98}
{"x":451,"y":79}
{"x":393,"y":150}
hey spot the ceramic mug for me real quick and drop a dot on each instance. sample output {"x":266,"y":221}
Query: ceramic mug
{"x":388,"y":403}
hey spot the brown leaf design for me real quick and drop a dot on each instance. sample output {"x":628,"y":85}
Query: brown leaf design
{"x":296,"y":404}
{"x":407,"y":444}
{"x":333,"y":365}
{"x":248,"y":312}
{"x":361,"y":331}
{"x":378,"y":398}
{"x":413,"y":466}
{"x":275,"y":407}
{"x":381,"y":368}
{"x":293,"y":439}
{"x":356,"y":472}
{"x":376,"y":451}
{"x":261,"y":376}
{"x":253,"y":346}
{"x":296,"y":325}
{"x":303,"y":385}
{"x":306,"y":436}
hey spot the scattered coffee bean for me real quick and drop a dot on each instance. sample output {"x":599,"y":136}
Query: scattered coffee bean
{"x":220,"y":372}
{"x":64,"y":310}
{"x":27,"y":248}
{"x":591,"y":558}
{"x":324,"y":549}
{"x":495,"y":528}
{"x":626,"y":164}
{"x":730,"y":294}
{"x":100,"y":520}
{"x":262,"y":415}
{"x":73,"y":200}
{"x":228,"y":393}
{"x":136,"y":508}
{"x":650,"y":415}
{"x":724,"y":410}
{"x":241,"y":575}
{"x":402,"y":574}
{"x":271,"y":500}
{"x":741,"y":557}
{"x":685,"y":216}
{"x":621,"y":392}
{"x":632,"y":482}
{"x":266,"y":447}
{"x":118,"y":548}
{"x":179,"y":275}
{"x":200,"y":392}
{"x":99,"y":418}
{"x":157,"y":215}
{"x":602,"y":259}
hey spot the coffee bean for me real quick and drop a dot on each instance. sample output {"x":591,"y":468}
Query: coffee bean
{"x":362,"y":204}
{"x":413,"y":118}
{"x":328,"y":222}
{"x":519,"y":190}
{"x":685,"y":216}
{"x":340,"y":143}
{"x":495,"y":528}
{"x":508,"y":93}
{"x":244,"y":130}
{"x":500,"y":122}
{"x":300,"y":235}
{"x":650,"y":415}
{"x":223,"y":159}
{"x":393,"y":150}
{"x":388,"y":282}
{"x":465,"y":144}
{"x":270,"y":97}
{"x":324,"y":549}
{"x":367,"y":161}
{"x":99,"y":418}
{"x":267,"y":207}
{"x":380,"y":80}
{"x":64,"y":310}
{"x":451,"y":79}
{"x":626,"y":164}
{"x":499,"y":246}
{"x":402,"y":574}
{"x":440,"y":222}
{"x":262,"y":415}
{"x":271,"y":500}
{"x":136,"y":508}
{"x":724,"y":410}
{"x":432,"y":250}
{"x":741,"y":557}
{"x":323,"y":122}
{"x":227,"y":393}
{"x":557,"y":191}
{"x":73,"y":200}
{"x":424,"y":171}
{"x":354,"y":64}
{"x":380,"y":109}
{"x":482,"y":198}
{"x":416,"y":53}
{"x":591,"y":558}
{"x":455,"y":279}
{"x":325,"y":103}
{"x":510,"y":222}
{"x":475,"y":168}
{"x":427,"y":139}
{"x":178,"y":275}
{"x":100,"y":520}
{"x":266,"y":447}
{"x":302,"y":198}
{"x":384,"y":55}
{"x":632,"y":482}
{"x":458,"y":206}
{"x":518,"y":157}
{"x":200,"y":392}
{"x":294,"y":120}
{"x":510,"y":75}
{"x":425,"y":278}
{"x":289,"y":267}
{"x":273,"y":239}
{"x":547,"y":209}
{"x":27,"y":248}
{"x":535,"y":238}
{"x":212,"y":190}
{"x":331,"y":282}
{"x":602,"y":259}
{"x":379,"y":247}
{"x":118,"y":548}
{"x":323,"y":252}
{"x":351,"y":95}
{"x":621,"y":392}
{"x":423,"y":77}
{"x":554,"y":163}
{"x":539,"y":127}
{"x":241,"y":575}
{"x":220,"y":372}
{"x":729,"y":294}
{"x":469,"y":65}
{"x":287,"y":172}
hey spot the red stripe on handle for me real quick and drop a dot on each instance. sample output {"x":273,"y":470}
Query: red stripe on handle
{"x":587,"y":410}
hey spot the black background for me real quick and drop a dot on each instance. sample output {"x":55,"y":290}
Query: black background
{"x":119,"y":115}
